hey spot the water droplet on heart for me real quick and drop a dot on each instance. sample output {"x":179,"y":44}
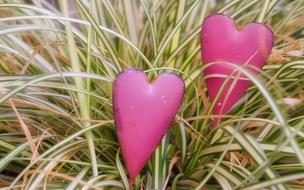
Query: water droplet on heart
{"x":131,"y":107}
{"x":219,"y":104}
{"x":164,"y":98}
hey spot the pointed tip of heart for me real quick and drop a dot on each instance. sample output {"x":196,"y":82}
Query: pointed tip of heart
{"x":131,"y":186}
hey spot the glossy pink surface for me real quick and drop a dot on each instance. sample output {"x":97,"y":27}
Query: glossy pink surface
{"x":222,"y":42}
{"x":143,"y":113}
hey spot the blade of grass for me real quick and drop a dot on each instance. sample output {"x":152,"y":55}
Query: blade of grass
{"x":25,"y":129}
{"x":122,"y":173}
{"x":82,"y":99}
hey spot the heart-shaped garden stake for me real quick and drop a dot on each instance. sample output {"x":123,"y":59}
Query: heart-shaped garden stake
{"x":222,"y":44}
{"x":143,"y":113}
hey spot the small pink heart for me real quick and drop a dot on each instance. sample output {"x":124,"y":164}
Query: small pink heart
{"x":143,"y":113}
{"x":222,"y":42}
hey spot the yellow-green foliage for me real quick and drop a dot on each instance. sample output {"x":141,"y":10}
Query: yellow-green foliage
{"x":57,"y":64}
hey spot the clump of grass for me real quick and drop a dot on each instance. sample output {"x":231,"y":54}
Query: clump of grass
{"x":57,"y":65}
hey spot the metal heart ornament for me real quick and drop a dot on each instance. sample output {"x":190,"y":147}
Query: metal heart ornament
{"x":143,"y":112}
{"x":222,"y":44}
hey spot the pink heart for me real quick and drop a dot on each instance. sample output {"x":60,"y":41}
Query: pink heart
{"x":143,"y":113}
{"x":222,"y":42}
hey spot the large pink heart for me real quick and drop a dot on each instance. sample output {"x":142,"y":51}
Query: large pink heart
{"x":222,"y":42}
{"x":143,"y":113}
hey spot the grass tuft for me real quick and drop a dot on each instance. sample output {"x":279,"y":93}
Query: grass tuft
{"x":57,"y":63}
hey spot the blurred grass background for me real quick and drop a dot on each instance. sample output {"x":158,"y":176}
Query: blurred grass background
{"x":57,"y":63}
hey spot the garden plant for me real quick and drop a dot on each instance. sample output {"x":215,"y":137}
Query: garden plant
{"x":62,"y":63}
